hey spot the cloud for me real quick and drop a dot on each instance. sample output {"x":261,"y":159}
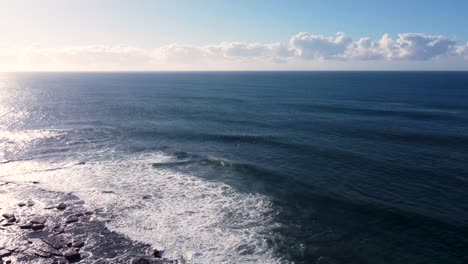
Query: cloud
{"x":84,"y":55}
{"x":408,"y":46}
{"x":366,"y":49}
{"x":417,"y":46}
{"x":310,"y":46}
{"x":462,"y":51}
{"x":229,"y":51}
{"x":302,"y":49}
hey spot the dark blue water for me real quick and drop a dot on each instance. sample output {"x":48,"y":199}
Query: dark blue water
{"x":360,"y":167}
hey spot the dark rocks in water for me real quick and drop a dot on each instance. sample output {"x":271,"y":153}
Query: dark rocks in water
{"x":30,"y":203}
{"x":61,"y":206}
{"x":35,"y":182}
{"x":57,"y":244}
{"x":42,"y":254}
{"x":4,"y":252}
{"x":43,"y":249}
{"x":71,"y":219}
{"x":38,"y":220}
{"x":79,"y":214}
{"x":26,"y":226}
{"x":72,"y":254}
{"x":21,"y":204}
{"x":77,"y":244}
{"x":58,"y":228}
{"x":154,"y":252}
{"x":37,"y":227}
{"x":181,"y":155}
{"x":146,"y":197}
{"x":107,"y":191}
{"x":81,"y":163}
{"x":56,"y":241}
{"x":9,"y":216}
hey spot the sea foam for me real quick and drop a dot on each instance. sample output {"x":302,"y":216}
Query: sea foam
{"x":199,"y":220}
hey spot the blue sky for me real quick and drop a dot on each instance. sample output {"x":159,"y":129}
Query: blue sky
{"x":147,"y":26}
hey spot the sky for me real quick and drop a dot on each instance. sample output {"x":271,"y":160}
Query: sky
{"x":103,"y":35}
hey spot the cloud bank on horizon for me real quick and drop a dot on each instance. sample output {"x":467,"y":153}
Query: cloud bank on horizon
{"x":303,"y":51}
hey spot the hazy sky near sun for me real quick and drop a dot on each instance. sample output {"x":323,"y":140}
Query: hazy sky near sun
{"x":233,"y":35}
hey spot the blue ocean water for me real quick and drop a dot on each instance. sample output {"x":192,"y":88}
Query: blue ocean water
{"x":262,"y":167}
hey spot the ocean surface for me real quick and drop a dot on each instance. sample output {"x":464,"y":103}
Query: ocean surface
{"x":253,"y":167}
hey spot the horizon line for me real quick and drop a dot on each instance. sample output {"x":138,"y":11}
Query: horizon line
{"x":220,"y":71}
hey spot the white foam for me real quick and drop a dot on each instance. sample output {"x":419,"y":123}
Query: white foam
{"x":203,"y":221}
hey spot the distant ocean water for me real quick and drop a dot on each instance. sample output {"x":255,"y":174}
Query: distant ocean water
{"x":254,"y":167}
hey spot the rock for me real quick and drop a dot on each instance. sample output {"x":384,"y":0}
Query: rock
{"x":4,"y":253}
{"x":8,"y":216}
{"x":89,"y":212}
{"x":26,"y":226}
{"x":107,"y":191}
{"x":58,"y":228}
{"x":71,"y":254}
{"x":181,"y":155}
{"x":35,"y":182}
{"x":56,"y":241}
{"x":61,"y":206}
{"x":30,"y":203}
{"x":81,"y":163}
{"x":71,"y":219}
{"x":38,"y":220}
{"x":21,"y":204}
{"x":43,"y":249}
{"x":37,"y":227}
{"x":42,"y":254}
{"x":154,"y":252}
{"x":77,"y":244}
{"x":79,"y":214}
{"x":12,"y":248}
{"x":146,"y":197}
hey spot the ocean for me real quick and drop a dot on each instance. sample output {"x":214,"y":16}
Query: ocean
{"x":253,"y":167}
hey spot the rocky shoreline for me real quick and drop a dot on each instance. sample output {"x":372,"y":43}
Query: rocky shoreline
{"x":39,"y":226}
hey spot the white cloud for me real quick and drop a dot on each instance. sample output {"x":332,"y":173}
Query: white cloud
{"x":85,"y":55}
{"x":417,"y":46}
{"x":310,"y":46}
{"x":223,"y":51}
{"x":462,"y":51}
{"x":303,"y":49}
{"x":365,"y":49}
{"x":408,"y":46}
